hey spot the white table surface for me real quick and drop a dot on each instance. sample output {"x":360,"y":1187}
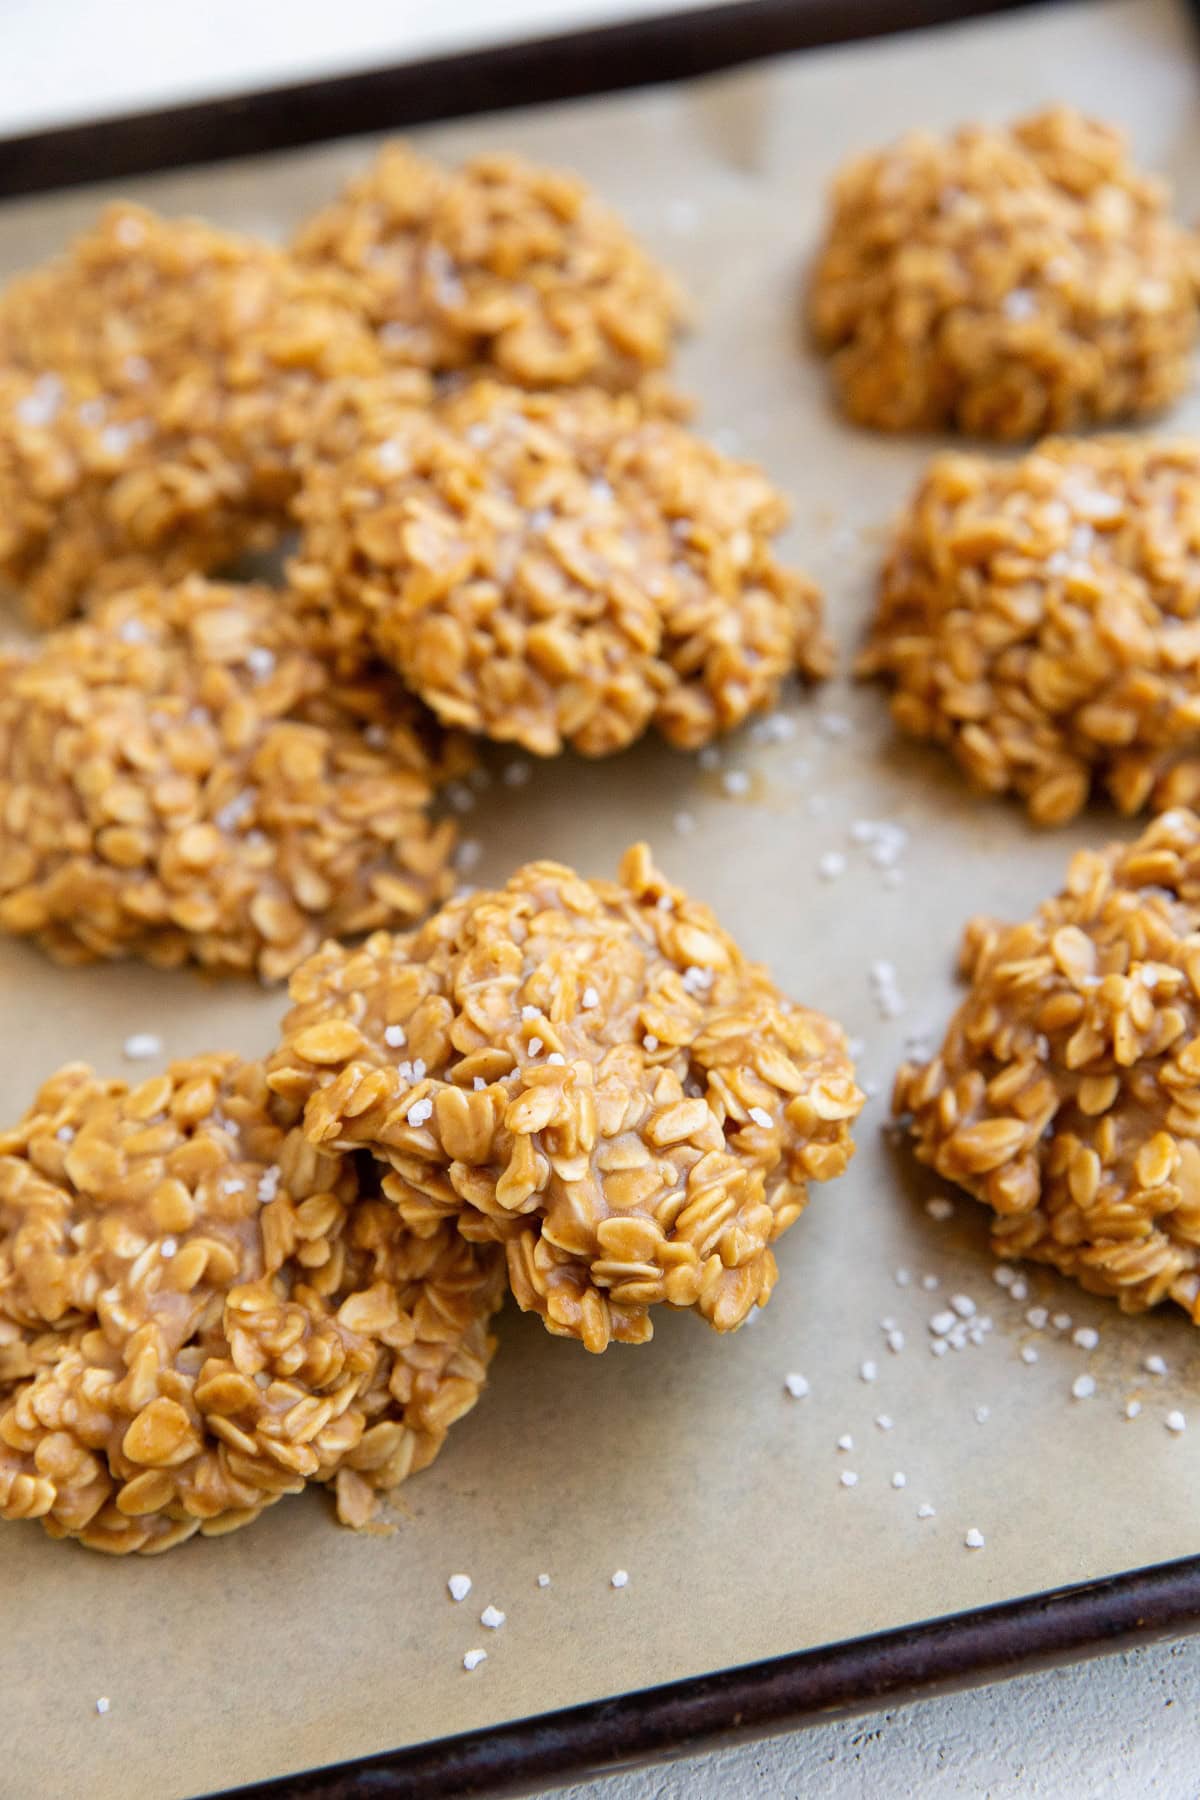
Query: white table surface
{"x":1124,"y":1727}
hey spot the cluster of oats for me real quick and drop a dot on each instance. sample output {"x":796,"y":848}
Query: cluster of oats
{"x":500,"y":265}
{"x":551,"y":569}
{"x":1005,"y":282}
{"x":588,"y":1072}
{"x":1041,"y":618}
{"x":200,"y":1313}
{"x":182,"y":778}
{"x":1066,"y":1094}
{"x":160,"y":385}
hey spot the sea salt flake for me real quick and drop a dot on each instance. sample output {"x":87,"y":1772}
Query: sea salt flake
{"x":1083,"y":1387}
{"x":1132,"y":1408}
{"x":543,"y":1581}
{"x":848,"y":1478}
{"x":1175,"y":1421}
{"x":831,"y":865}
{"x":460,"y":1586}
{"x":759,"y":1114}
{"x":868,"y":1371}
{"x":420,"y":1113}
{"x":395,"y":1036}
{"x":102,"y":1704}
{"x":899,"y":1479}
{"x":473,"y":1658}
{"x":925,"y":1511}
{"x":1087,"y":1337}
{"x":492,"y":1617}
{"x":1154,"y":1365}
{"x":845,"y":1442}
{"x":797,"y":1386}
{"x":140,"y":1045}
{"x":939,"y":1208}
{"x":1029,"y":1354}
{"x":974,"y":1539}
{"x":620,"y":1578}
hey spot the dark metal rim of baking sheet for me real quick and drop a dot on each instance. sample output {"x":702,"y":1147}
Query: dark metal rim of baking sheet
{"x":759,"y":1697}
{"x":566,"y":66}
{"x":680,"y":1717}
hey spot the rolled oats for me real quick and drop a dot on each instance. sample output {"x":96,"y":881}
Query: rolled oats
{"x":181,"y":777}
{"x":1041,"y":618}
{"x":1005,"y":281}
{"x":498,"y":265}
{"x":1066,"y":1095}
{"x":178,"y":1350}
{"x":525,"y":1103}
{"x":550,"y":569}
{"x":160,"y":385}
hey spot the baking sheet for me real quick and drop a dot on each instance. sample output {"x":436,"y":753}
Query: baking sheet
{"x":684,"y":1462}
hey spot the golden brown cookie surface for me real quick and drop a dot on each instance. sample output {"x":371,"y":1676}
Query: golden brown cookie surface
{"x":499,"y":265}
{"x":180,"y":778}
{"x":569,"y":568}
{"x":199,"y":1313}
{"x":1066,"y":1095}
{"x":1041,"y":619}
{"x":160,"y":385}
{"x":590,"y":1072}
{"x":1006,"y":282}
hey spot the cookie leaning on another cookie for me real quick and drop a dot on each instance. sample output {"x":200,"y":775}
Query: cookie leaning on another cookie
{"x":589,"y":1072}
{"x":552,"y":569}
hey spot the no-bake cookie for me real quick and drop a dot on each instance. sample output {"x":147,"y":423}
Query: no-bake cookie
{"x":1066,"y":1095}
{"x":500,"y":265}
{"x":559,"y":569}
{"x":200,"y":1313}
{"x":160,"y":385}
{"x":591,"y":1073}
{"x":182,"y":778}
{"x":1006,"y":282}
{"x":1041,"y":619}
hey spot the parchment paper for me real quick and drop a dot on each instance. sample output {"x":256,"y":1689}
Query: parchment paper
{"x":294,"y":1643}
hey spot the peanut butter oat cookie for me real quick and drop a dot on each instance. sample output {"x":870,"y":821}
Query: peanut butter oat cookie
{"x":499,"y":265}
{"x":159,"y":386}
{"x":559,"y":569}
{"x":1041,"y":619}
{"x":181,"y":778}
{"x":200,"y":1313}
{"x":1067,"y":1093}
{"x":1005,"y":282}
{"x":588,"y":1071}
